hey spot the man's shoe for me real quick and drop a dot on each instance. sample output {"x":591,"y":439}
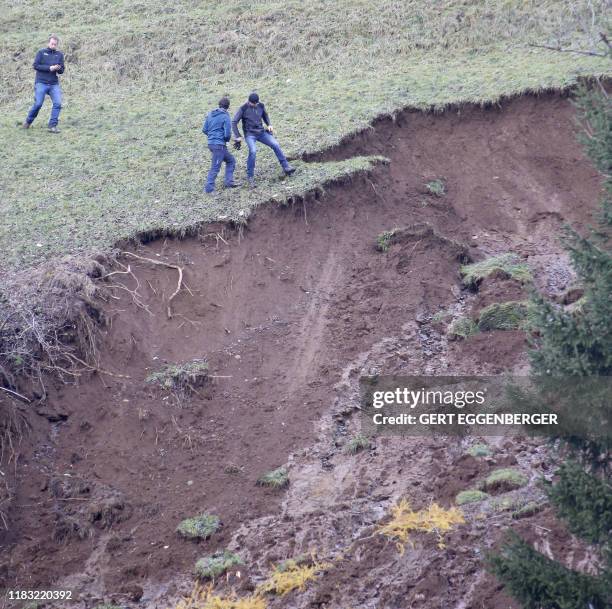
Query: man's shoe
{"x":232,"y":185}
{"x":251,"y":182}
{"x":289,"y":171}
{"x":209,"y":192}
{"x":26,"y":125}
{"x":53,"y":130}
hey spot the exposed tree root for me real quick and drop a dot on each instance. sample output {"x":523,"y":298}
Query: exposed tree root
{"x":167,"y":265}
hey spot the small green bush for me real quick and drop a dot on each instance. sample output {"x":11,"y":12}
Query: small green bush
{"x":504,"y":480}
{"x":436,"y":187}
{"x":384,"y":240}
{"x":359,"y":442}
{"x":507,"y":265}
{"x":479,"y":450}
{"x":277,"y":478}
{"x":502,"y":316}
{"x":470,"y":496}
{"x":210,"y":567}
{"x":199,"y":527}
{"x":462,"y":327}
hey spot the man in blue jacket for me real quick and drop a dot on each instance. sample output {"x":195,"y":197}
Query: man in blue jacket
{"x":218,"y":129}
{"x":48,"y":64}
{"x":252,"y":114}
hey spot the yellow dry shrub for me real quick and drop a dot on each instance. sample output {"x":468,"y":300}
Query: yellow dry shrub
{"x":203,"y":597}
{"x":432,"y":519}
{"x":291,"y":577}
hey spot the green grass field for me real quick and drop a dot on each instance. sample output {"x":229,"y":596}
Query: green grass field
{"x":141,"y":76}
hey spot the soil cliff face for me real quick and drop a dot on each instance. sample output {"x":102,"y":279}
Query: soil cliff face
{"x":288,"y":312}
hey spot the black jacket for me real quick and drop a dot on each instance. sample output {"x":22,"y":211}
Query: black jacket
{"x":251,"y":117}
{"x":45,"y":58}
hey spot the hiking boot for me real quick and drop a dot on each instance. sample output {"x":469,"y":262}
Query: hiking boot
{"x":53,"y":130}
{"x":232,"y":184}
{"x":289,"y":171}
{"x":25,"y":125}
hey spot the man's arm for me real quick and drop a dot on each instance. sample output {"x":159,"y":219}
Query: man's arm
{"x":205,"y":126}
{"x":61,"y":63}
{"x":38,"y":65}
{"x":227,"y":128}
{"x":266,"y":118}
{"x":237,"y":119}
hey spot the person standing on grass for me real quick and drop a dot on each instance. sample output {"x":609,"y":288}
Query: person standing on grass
{"x":218,"y":130}
{"x":253,"y":116}
{"x":48,"y":63}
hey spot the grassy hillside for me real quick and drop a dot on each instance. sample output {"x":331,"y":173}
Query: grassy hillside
{"x":141,"y":76}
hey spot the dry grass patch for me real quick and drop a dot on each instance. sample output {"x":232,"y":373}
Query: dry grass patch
{"x":433,"y":519}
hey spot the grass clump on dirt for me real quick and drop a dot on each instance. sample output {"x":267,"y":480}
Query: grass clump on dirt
{"x":462,"y":328}
{"x":292,"y":575}
{"x":203,"y":597}
{"x":529,"y":509}
{"x":479,"y":450}
{"x":506,"y":479}
{"x":179,"y":377}
{"x":470,"y":496}
{"x":385,"y":240}
{"x":507,"y":265}
{"x":277,"y":478}
{"x":199,"y":527}
{"x":432,"y":519}
{"x":357,"y":444}
{"x":503,"y":316}
{"x":210,"y":567}
{"x":436,"y":187}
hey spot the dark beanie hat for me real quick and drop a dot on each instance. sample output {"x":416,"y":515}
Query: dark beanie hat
{"x":253,"y":98}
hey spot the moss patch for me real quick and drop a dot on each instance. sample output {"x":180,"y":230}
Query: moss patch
{"x":277,"y":478}
{"x":506,"y":265}
{"x":470,"y":496}
{"x":504,"y":480}
{"x":199,"y":527}
{"x":479,"y":450}
{"x":210,"y":567}
{"x":436,"y":187}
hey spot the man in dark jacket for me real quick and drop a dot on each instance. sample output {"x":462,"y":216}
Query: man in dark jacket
{"x":48,"y":64}
{"x":252,"y":114}
{"x":218,"y":130}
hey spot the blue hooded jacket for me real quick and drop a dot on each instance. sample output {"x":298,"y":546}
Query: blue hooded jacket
{"x":218,"y":127}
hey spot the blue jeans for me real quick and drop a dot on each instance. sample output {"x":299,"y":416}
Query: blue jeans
{"x":219,"y":154}
{"x":267,"y":139}
{"x":55,"y":93}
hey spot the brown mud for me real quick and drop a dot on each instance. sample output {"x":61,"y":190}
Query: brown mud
{"x":288,"y":311}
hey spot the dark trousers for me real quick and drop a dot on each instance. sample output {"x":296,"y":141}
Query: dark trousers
{"x":219,"y":155}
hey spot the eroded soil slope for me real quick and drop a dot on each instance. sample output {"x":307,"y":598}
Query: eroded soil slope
{"x":288,"y":312}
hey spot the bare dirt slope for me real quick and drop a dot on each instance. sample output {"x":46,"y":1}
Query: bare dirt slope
{"x":288,"y":311}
